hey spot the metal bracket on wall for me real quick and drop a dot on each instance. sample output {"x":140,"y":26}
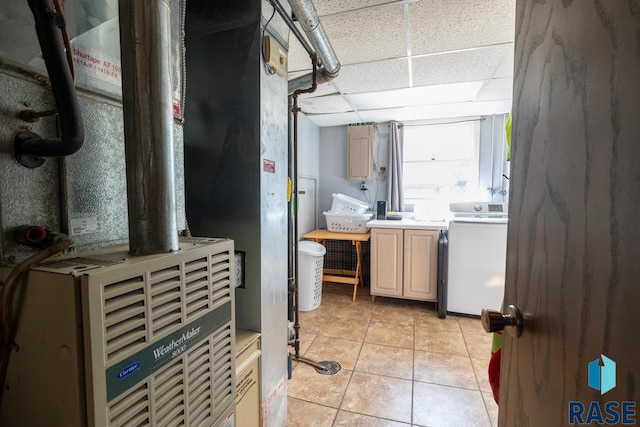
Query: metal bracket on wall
{"x":26,"y":160}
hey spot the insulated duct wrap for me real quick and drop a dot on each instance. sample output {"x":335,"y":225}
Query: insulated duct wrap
{"x":330,"y":66}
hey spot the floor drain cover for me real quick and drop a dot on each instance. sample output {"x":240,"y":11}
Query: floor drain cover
{"x":329,"y":368}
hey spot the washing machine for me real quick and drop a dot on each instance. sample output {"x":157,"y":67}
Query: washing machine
{"x":477,"y":257}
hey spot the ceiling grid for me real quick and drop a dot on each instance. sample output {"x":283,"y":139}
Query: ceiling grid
{"x":412,"y":60}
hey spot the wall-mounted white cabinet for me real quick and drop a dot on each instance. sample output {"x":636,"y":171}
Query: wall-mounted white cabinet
{"x":404,"y":263}
{"x":360,"y":152}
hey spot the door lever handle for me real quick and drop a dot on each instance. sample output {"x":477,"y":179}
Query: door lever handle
{"x":511,"y":321}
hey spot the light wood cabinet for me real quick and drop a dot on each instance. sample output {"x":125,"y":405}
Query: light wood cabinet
{"x":360,"y":153}
{"x":404,"y":263}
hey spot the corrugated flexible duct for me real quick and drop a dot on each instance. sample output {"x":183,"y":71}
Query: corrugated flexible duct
{"x":308,"y":18}
{"x":148,"y":125}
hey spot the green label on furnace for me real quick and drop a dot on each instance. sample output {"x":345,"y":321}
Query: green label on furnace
{"x":123,"y":375}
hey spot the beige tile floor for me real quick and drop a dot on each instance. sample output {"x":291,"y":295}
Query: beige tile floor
{"x":401,"y":365}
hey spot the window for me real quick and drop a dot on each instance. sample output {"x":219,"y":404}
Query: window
{"x":441,"y":162}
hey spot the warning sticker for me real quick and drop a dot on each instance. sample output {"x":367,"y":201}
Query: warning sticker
{"x":96,"y":64}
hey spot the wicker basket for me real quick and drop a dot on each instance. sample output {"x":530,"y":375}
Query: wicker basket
{"x":347,"y":222}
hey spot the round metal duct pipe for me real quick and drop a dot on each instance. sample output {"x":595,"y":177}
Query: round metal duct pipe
{"x":308,"y":18}
{"x":148,"y":125}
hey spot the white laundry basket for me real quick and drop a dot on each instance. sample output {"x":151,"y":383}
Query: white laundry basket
{"x":310,"y":264}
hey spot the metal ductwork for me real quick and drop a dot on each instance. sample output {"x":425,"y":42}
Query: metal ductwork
{"x":148,"y":125}
{"x":306,"y":14}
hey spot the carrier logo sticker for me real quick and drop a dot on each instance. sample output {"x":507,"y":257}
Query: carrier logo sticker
{"x":128,"y":370}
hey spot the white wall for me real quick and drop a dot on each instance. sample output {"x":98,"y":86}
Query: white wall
{"x":308,"y":147}
{"x":308,"y":174}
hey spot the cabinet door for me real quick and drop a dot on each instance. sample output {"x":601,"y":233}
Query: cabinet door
{"x":386,"y":262}
{"x":360,"y":153}
{"x":421,"y":264}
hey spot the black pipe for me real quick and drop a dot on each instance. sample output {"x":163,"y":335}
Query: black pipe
{"x":290,"y":237}
{"x":294,"y":110}
{"x":48,"y":24}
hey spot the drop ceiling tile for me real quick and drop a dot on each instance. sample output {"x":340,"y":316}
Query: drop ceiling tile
{"x":297,"y":58}
{"x":329,"y":7}
{"x":496,"y":89}
{"x":416,"y":96}
{"x":325,"y":105}
{"x":327,"y":120}
{"x":505,"y":68}
{"x":367,"y":35}
{"x":444,"y":25}
{"x":442,"y":111}
{"x":466,"y":65}
{"x":374,"y":76}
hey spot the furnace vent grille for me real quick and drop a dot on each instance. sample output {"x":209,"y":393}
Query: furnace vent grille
{"x":143,"y":308}
{"x":197,"y":288}
{"x":131,"y":409}
{"x":194,"y":389}
{"x":124,"y":316}
{"x":222,"y":364}
{"x":169,"y":393}
{"x":161,"y":338}
{"x":166,"y":300}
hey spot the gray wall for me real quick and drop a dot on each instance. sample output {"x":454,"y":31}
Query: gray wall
{"x":333,"y":168}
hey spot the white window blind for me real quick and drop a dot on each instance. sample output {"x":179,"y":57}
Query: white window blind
{"x":441,"y":162}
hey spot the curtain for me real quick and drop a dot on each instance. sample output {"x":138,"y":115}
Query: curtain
{"x":395,"y":196}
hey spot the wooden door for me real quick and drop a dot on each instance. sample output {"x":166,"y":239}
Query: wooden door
{"x":573,"y":262}
{"x":386,"y":262}
{"x":421,"y":264}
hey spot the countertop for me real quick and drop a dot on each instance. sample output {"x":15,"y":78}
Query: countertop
{"x":410,"y":224}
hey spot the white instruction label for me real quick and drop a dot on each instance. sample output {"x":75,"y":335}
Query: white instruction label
{"x":91,"y":224}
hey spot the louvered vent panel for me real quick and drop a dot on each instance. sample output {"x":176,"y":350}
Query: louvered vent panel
{"x":166,"y":300}
{"x":223,"y":369}
{"x":131,"y":409}
{"x":169,"y":395}
{"x":141,"y":313}
{"x":220,"y":278}
{"x":197,"y":288}
{"x":199,"y":379}
{"x":124,"y":316}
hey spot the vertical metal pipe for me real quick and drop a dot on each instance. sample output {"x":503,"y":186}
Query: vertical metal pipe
{"x":295,"y":109}
{"x":296,"y":320}
{"x":148,"y":125}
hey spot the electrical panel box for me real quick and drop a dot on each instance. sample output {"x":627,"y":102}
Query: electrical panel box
{"x":275,"y":55}
{"x":360,"y":152}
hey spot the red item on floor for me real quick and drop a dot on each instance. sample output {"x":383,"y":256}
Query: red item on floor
{"x":494,"y":373}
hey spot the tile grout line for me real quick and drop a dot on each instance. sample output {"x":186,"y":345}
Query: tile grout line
{"x":351,"y":376}
{"x":486,"y":408}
